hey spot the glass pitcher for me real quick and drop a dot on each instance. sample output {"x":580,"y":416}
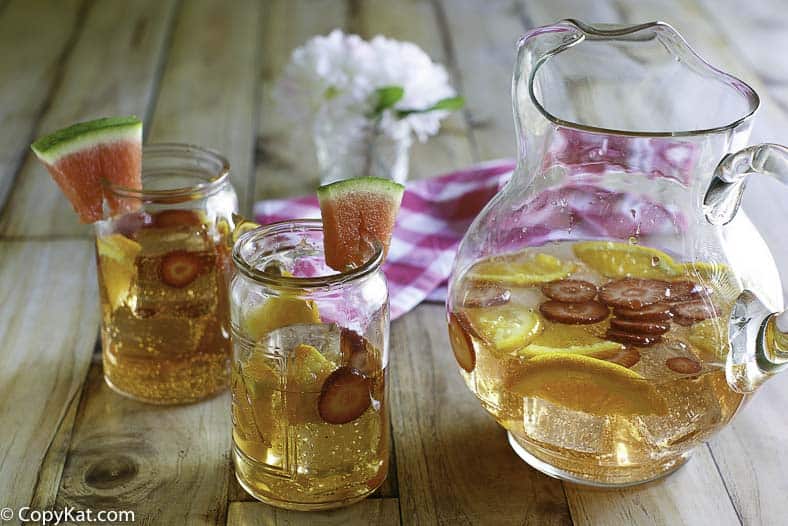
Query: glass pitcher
{"x":599,"y":308}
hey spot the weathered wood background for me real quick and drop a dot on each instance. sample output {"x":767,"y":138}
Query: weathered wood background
{"x":202,"y":71}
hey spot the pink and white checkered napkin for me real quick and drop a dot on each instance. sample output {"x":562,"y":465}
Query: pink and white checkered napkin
{"x":434,"y":216}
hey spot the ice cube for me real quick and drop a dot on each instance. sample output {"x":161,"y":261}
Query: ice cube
{"x":322,"y":336}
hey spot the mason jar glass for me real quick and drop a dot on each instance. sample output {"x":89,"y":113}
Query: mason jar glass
{"x":164,"y":270}
{"x":309,"y":408}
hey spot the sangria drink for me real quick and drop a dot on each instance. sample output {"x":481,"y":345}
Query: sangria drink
{"x":309,"y":405}
{"x":164,"y":268}
{"x":604,"y":360}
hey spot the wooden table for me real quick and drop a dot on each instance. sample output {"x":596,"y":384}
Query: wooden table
{"x":202,"y":71}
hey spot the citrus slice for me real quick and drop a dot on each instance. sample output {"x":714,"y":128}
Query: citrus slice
{"x":278,"y":312}
{"x":572,"y":339}
{"x":521,"y":270}
{"x":582,"y":383}
{"x":117,"y":255}
{"x":620,"y":260}
{"x":505,"y":328}
{"x":357,"y":214}
{"x":79,"y":157}
{"x":307,"y":369}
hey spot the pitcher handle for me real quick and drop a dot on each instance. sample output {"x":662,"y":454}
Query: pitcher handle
{"x":758,"y":336}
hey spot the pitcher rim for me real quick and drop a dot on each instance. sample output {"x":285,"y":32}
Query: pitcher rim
{"x":621,"y":30}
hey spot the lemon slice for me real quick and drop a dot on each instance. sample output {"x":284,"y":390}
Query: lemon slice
{"x":278,"y":312}
{"x":116,"y":264}
{"x":582,"y":383}
{"x":572,"y":339}
{"x":521,"y":270}
{"x":619,"y":260}
{"x":505,"y":328}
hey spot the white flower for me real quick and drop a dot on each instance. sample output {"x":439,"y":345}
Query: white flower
{"x":336,"y":77}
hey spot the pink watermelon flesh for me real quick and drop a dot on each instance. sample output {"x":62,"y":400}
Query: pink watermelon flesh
{"x":79,"y":176}
{"x":357,"y":213}
{"x":105,"y":149}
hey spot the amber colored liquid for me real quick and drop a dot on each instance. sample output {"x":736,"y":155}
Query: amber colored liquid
{"x":598,"y":444}
{"x":285,"y":454}
{"x":165,"y":344}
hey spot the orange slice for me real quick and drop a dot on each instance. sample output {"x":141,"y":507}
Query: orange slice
{"x":521,"y":270}
{"x":585,"y":384}
{"x":117,"y":254}
{"x":278,"y":312}
{"x":620,"y":260}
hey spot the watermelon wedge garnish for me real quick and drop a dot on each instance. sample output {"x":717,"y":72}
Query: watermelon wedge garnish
{"x":80,"y":156}
{"x":357,"y":213}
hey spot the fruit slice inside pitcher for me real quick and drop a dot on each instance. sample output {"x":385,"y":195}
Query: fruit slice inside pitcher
{"x":357,"y":214}
{"x":586,"y":384}
{"x":619,"y":260}
{"x":81,"y":157}
{"x":505,"y":328}
{"x":520,"y":270}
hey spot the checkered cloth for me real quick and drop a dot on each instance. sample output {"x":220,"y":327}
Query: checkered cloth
{"x":434,"y":216}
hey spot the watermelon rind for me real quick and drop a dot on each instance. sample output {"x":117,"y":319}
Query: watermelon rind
{"x":85,"y":135}
{"x":376,"y":185}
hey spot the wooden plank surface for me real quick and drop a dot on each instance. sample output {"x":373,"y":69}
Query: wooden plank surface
{"x":453,"y":461}
{"x":373,"y":512}
{"x":285,"y":157}
{"x":168,"y":464}
{"x":481,"y":39}
{"x":208,"y":92}
{"x":110,"y":71}
{"x":30,"y":73}
{"x":48,"y":323}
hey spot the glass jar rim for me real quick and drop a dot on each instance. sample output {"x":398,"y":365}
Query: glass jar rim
{"x":215,"y":179}
{"x":371,"y":265}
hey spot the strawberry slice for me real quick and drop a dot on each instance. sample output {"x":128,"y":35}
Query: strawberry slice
{"x":659,"y":312}
{"x":179,"y":268}
{"x":482,"y":295}
{"x":690,"y":312}
{"x":570,"y":290}
{"x":583,"y":313}
{"x":639,"y":327}
{"x":357,"y":352}
{"x":682,"y":365}
{"x":344,"y":396}
{"x":461,"y":341}
{"x":633,"y":293}
{"x":630,"y":338}
{"x":683,"y":291}
{"x":176,"y":218}
{"x":627,"y":357}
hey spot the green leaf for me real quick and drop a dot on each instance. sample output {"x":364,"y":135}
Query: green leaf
{"x":387,"y":96}
{"x":448,"y":104}
{"x":331,"y":92}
